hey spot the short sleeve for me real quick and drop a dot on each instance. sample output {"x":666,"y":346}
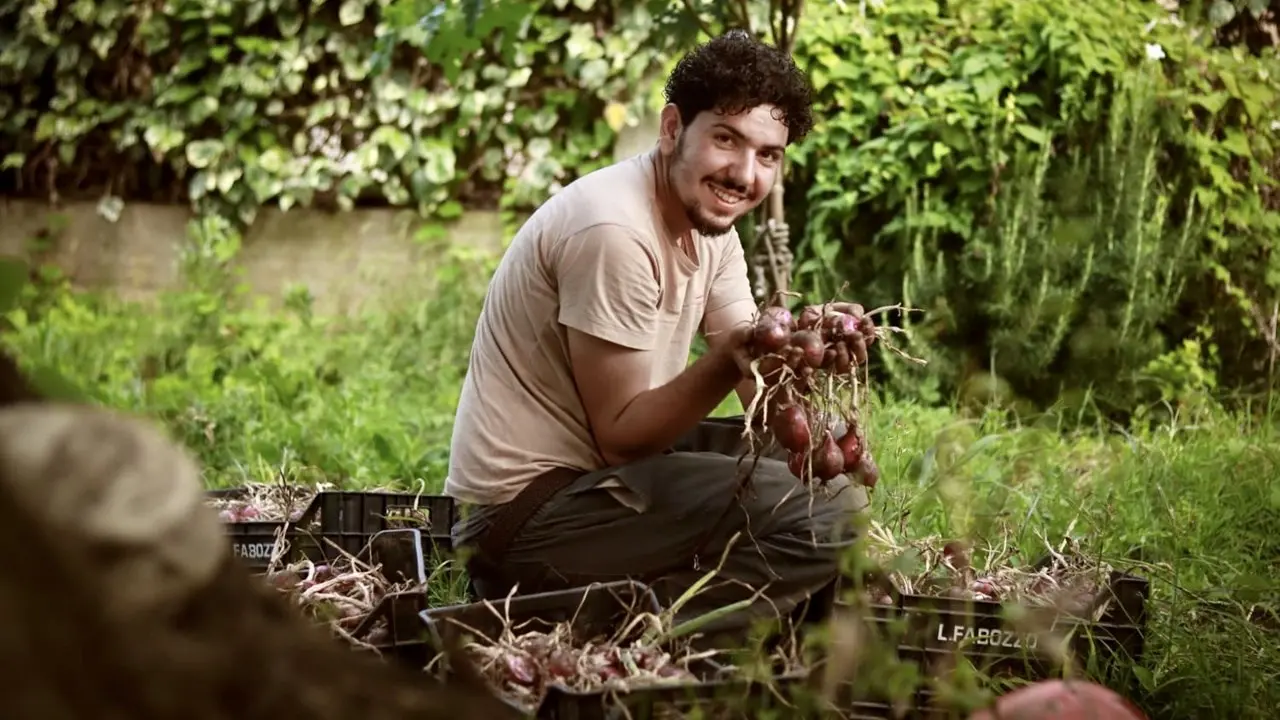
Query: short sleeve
{"x":608,"y":283}
{"x":731,"y":287}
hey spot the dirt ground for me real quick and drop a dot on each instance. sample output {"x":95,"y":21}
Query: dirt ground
{"x":228,"y":649}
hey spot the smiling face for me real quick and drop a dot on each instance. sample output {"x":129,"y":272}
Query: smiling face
{"x":721,"y":166}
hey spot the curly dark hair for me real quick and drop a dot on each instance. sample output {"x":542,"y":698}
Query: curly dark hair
{"x":736,"y":72}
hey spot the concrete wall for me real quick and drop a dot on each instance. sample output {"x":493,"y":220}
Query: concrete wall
{"x":343,"y":258}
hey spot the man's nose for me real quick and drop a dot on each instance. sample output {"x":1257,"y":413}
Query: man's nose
{"x":743,"y":171}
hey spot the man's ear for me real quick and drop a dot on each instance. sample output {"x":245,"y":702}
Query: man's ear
{"x":669,"y":128}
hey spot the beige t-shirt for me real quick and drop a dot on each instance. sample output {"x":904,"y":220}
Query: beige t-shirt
{"x":596,"y":257}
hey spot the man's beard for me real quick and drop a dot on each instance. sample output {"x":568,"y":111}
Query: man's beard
{"x":692,"y":208}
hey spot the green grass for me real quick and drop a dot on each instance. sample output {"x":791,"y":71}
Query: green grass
{"x":1198,"y":506}
{"x":259,"y":395}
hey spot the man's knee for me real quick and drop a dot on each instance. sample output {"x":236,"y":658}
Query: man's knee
{"x":845,"y":498}
{"x":845,"y":509}
{"x":830,"y":513}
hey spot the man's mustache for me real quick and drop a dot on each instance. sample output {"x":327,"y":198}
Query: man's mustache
{"x":729,"y":185}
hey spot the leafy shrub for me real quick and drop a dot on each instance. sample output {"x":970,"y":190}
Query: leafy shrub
{"x":230,"y":105}
{"x":965,"y":151}
{"x":258,"y":392}
{"x":1067,"y":192}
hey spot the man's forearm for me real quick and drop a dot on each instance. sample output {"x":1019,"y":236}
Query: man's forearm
{"x":657,"y":418}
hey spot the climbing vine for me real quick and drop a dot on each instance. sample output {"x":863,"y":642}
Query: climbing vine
{"x":234,"y":105}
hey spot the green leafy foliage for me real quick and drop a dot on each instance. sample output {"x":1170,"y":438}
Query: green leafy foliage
{"x":270,"y":394}
{"x":1081,"y":198}
{"x":1248,"y":24}
{"x":13,"y":278}
{"x":1075,"y":196}
{"x":258,"y":392}
{"x":13,"y":288}
{"x":233,"y":105}
{"x":428,"y":16}
{"x":1065,"y":192}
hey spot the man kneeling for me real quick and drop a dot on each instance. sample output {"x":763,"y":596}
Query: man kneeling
{"x":580,"y":452}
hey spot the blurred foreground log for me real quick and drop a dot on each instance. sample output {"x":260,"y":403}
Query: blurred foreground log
{"x":14,"y":388}
{"x":210,"y":642}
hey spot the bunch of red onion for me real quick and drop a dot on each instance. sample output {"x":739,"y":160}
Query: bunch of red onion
{"x":237,"y":511}
{"x":520,"y":667}
{"x":803,"y":364}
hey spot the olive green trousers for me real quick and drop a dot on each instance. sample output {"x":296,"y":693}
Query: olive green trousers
{"x":680,"y":515}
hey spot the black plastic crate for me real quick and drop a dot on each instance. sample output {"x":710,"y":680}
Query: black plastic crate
{"x":937,"y":632}
{"x":603,"y":609}
{"x":400,"y":555}
{"x":982,"y":632}
{"x":334,"y":522}
{"x":254,"y":542}
{"x":349,"y":519}
{"x":600,"y":608}
{"x":394,"y":628}
{"x":721,"y":696}
{"x":790,"y":696}
{"x":397,"y":555}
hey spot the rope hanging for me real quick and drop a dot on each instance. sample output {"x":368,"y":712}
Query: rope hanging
{"x":772,"y":260}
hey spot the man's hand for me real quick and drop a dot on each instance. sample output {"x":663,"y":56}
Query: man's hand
{"x":735,"y":345}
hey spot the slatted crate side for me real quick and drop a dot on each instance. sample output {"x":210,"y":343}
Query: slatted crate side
{"x":937,"y":634}
{"x":717,"y":697}
{"x":595,"y":609}
{"x":985,"y":629}
{"x":254,"y":542}
{"x":342,"y":522}
{"x":598,"y":609}
{"x":719,"y":694}
{"x":602,"y":609}
{"x":394,"y":628}
{"x":350,"y":518}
